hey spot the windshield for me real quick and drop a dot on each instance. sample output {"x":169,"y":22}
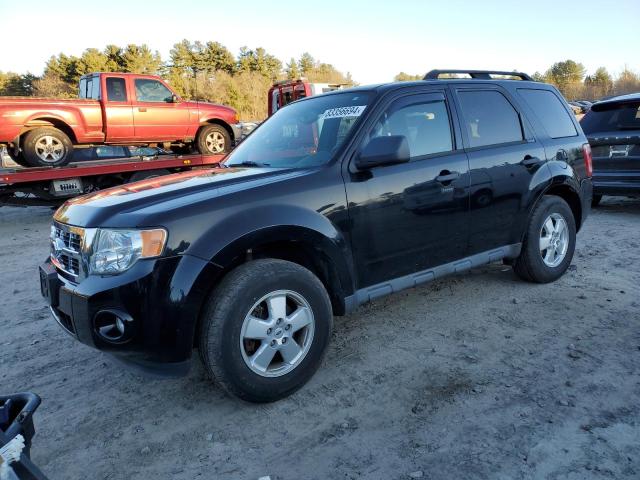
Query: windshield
{"x":612,"y":117}
{"x":303,"y":134}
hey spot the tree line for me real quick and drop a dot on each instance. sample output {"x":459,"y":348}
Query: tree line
{"x":210,"y":71}
{"x":196,"y":70}
{"x":572,"y":80}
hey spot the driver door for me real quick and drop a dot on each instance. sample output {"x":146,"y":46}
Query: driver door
{"x":412,"y":216}
{"x":155,"y":115}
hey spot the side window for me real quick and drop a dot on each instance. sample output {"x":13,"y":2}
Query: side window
{"x":287,"y":97}
{"x":152,"y":91}
{"x":95,"y":91}
{"x":489,"y":118}
{"x":425,"y":125}
{"x":548,"y":108}
{"x":82,"y":93}
{"x":116,"y":90}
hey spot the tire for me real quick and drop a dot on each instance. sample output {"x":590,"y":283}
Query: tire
{"x":36,"y":149}
{"x":225,"y":322}
{"x":595,"y":200}
{"x":146,"y":174}
{"x":213,"y":140}
{"x":530,"y":265}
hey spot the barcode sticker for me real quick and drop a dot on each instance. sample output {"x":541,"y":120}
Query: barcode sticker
{"x":342,"y":112}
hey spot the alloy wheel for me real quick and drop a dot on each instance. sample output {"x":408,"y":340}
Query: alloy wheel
{"x":277,"y":333}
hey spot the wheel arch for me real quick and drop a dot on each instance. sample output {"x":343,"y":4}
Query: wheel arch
{"x":569,"y":193}
{"x":301,"y":245}
{"x":216,"y":121}
{"x":45,"y":121}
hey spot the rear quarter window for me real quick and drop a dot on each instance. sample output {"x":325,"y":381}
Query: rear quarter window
{"x":550,"y":111}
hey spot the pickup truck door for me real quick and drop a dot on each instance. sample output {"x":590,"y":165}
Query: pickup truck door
{"x":155,"y":115}
{"x":412,"y":216}
{"x":117,"y":116}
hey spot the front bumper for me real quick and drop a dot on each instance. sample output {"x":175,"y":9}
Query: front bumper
{"x":159,"y":298}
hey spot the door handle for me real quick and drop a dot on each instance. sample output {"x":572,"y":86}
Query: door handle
{"x":142,"y":109}
{"x":530,"y":161}
{"x":446,"y":176}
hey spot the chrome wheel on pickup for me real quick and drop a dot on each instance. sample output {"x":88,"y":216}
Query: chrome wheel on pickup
{"x":213,"y":139}
{"x":265,"y":329}
{"x":49,"y":149}
{"x":215,"y":142}
{"x":46,"y":147}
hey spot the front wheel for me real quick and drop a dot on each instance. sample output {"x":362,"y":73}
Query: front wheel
{"x":213,"y":140}
{"x":47,"y":147}
{"x":265,"y":329}
{"x":549,"y":242}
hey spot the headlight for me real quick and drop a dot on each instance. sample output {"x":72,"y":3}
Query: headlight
{"x":114,"y":251}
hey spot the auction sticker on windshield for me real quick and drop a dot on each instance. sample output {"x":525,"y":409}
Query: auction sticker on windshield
{"x":342,"y":112}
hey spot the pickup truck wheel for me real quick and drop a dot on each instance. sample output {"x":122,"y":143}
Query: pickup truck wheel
{"x":213,"y":140}
{"x":265,"y":329}
{"x":47,"y":147}
{"x":549,"y":243}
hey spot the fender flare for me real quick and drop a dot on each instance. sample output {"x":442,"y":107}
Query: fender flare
{"x":227,"y":242}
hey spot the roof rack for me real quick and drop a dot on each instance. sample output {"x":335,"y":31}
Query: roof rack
{"x":476,"y":74}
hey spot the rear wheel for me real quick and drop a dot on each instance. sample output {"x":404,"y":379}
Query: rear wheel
{"x":213,"y":140}
{"x":265,"y":329}
{"x":549,"y":243}
{"x":595,"y":200}
{"x":46,"y":147}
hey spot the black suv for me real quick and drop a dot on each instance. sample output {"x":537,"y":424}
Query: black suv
{"x":613,"y":129}
{"x":334,"y":201}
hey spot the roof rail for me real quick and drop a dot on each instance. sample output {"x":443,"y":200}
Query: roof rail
{"x":476,"y":74}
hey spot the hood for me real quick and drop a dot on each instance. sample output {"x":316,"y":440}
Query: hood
{"x":135,"y":204}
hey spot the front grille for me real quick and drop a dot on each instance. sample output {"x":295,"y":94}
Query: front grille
{"x":66,"y":248}
{"x":71,"y":240}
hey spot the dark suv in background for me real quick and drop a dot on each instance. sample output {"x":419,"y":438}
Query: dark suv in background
{"x":612,"y":127}
{"x":336,"y":200}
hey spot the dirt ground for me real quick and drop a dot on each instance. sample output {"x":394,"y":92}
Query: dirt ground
{"x":474,"y":376}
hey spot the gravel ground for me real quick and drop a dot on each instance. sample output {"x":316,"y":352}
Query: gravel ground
{"x":474,"y":376}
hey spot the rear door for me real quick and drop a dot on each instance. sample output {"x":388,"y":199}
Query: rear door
{"x":117,"y":114}
{"x":503,"y":156}
{"x":412,"y":216}
{"x":155,"y":115}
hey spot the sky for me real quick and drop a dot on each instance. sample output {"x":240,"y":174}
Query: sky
{"x":374,"y":40}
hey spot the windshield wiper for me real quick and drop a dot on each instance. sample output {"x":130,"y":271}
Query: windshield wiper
{"x":247,"y":163}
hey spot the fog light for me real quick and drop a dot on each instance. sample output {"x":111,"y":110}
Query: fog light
{"x":113,"y":326}
{"x":120,"y":325}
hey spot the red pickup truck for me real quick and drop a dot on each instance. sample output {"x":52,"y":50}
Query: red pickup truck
{"x":112,"y":108}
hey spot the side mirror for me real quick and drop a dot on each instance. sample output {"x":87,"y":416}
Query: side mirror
{"x":174,"y":98}
{"x":388,"y":150}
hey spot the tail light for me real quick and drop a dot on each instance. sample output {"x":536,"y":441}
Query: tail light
{"x":588,"y":160}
